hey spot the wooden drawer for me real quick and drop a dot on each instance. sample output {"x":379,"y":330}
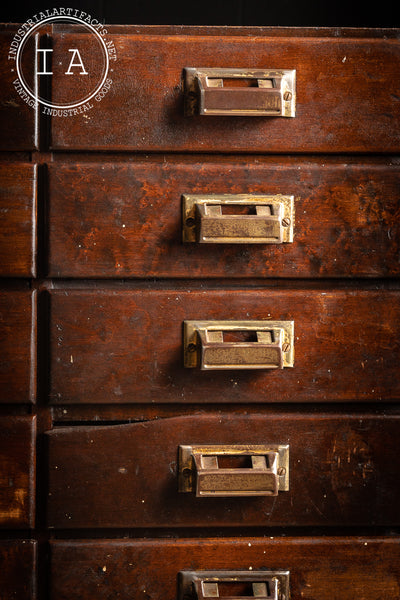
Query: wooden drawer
{"x":18,"y":569}
{"x":18,"y":222}
{"x":324,"y":568}
{"x":18,"y":121}
{"x":126,"y":345}
{"x":343,"y":470}
{"x":123,"y":219}
{"x":17,"y":472}
{"x":346,"y":90}
{"x":18,"y":346}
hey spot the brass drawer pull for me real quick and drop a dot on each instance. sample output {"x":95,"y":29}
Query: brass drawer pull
{"x":231,"y":471}
{"x":263,"y":219}
{"x":264,"y":585}
{"x":213,"y":345}
{"x":240,"y":92}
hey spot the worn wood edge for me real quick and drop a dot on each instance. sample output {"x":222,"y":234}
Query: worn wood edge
{"x":243,"y":30}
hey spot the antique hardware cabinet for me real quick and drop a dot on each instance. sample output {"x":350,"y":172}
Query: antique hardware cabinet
{"x":149,"y":448}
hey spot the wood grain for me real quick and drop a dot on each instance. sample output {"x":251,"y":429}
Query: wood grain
{"x":18,"y":223}
{"x":347,"y":96}
{"x":343,"y":471}
{"x":18,"y":560}
{"x":124,"y":219}
{"x":17,"y":472}
{"x":324,"y":568}
{"x":123,"y":346}
{"x":18,"y":121}
{"x":18,"y":346}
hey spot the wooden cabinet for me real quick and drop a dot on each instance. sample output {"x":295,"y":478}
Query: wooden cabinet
{"x":319,"y":568}
{"x":199,"y":316}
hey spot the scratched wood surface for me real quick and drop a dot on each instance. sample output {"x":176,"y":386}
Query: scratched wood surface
{"x":18,"y":346}
{"x":123,"y":346}
{"x":347,"y":95}
{"x":324,"y":568}
{"x":18,"y":222}
{"x":18,"y":560}
{"x":17,"y":471}
{"x":124,"y":219}
{"x":343,"y":471}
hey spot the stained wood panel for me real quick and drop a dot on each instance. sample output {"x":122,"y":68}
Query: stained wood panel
{"x":18,"y":223}
{"x":347,"y":95}
{"x":324,"y":568}
{"x":124,"y":219}
{"x":343,"y":471}
{"x":18,"y":346}
{"x":18,"y":569}
{"x":17,"y":472}
{"x":125,"y":345}
{"x":18,"y":120}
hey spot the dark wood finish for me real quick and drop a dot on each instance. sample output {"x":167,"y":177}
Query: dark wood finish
{"x":323,"y":568}
{"x":18,"y":346}
{"x":126,"y":346}
{"x":124,"y":219}
{"x":344,"y":470}
{"x":17,"y":472}
{"x":347,"y":95}
{"x":18,"y":222}
{"x":18,"y":569}
{"x":18,"y":121}
{"x":205,"y":31}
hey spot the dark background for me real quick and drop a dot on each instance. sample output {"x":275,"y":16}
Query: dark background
{"x":330,"y":13}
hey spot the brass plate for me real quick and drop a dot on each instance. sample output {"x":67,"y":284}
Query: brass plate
{"x":269,"y":93}
{"x":204,"y":347}
{"x":203,"y":221}
{"x":189,"y":462}
{"x":267,"y":584}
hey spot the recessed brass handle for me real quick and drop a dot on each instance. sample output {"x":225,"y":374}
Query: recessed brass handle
{"x":240,"y":92}
{"x":213,"y":345}
{"x":237,"y":585}
{"x":235,"y":470}
{"x":238,"y":219}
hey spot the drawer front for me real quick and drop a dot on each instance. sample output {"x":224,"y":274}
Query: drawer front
{"x":126,"y":346}
{"x":18,"y":222}
{"x":18,"y":569}
{"x":17,"y":472}
{"x":18,"y":120}
{"x":323,"y":568}
{"x":18,"y":346}
{"x":346,"y":93}
{"x":341,"y":471}
{"x":124,"y":219}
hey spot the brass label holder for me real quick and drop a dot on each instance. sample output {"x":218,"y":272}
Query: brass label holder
{"x":264,"y":585}
{"x":199,"y":470}
{"x":239,"y":92}
{"x":271,"y":218}
{"x":205,"y":347}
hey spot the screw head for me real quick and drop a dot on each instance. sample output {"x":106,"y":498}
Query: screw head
{"x":287,"y":96}
{"x":286,"y":347}
{"x":286,"y":222}
{"x":281,"y":471}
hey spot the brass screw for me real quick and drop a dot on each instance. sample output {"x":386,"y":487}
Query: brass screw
{"x":286,"y":222}
{"x":281,"y":471}
{"x":287,"y":96}
{"x":285,"y":347}
{"x":191,"y":348}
